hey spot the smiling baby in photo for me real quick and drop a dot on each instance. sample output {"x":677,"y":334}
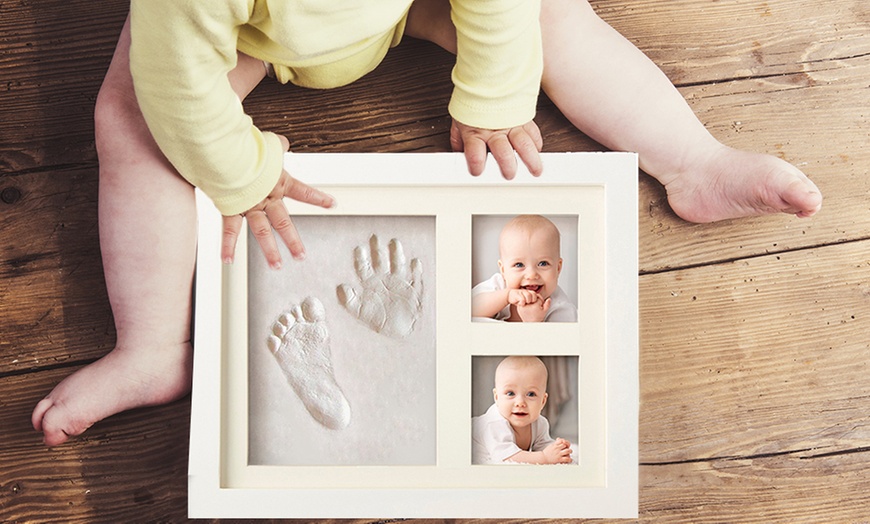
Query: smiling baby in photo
{"x":513,"y":430}
{"x":526,"y":288}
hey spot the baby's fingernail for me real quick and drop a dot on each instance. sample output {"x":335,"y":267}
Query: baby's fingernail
{"x":228,"y":260}
{"x":300,"y":255}
{"x":275,"y":265}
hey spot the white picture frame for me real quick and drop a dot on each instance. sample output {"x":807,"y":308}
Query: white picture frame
{"x":600,"y":189}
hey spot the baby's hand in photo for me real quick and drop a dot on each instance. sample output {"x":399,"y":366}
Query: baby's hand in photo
{"x":522,"y":297}
{"x":535,"y":311}
{"x":559,"y":452}
{"x":389,"y":297}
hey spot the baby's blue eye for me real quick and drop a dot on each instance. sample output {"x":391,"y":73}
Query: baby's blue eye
{"x":518,"y":265}
{"x":509,"y":393}
{"x":543,"y":263}
{"x":532,"y":394}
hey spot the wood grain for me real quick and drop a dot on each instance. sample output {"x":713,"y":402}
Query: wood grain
{"x":779,"y":488}
{"x":52,"y":291}
{"x":128,"y":468}
{"x":53,"y":56}
{"x":756,"y":356}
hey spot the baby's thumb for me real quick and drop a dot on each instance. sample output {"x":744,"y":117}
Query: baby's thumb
{"x":285,"y":143}
{"x":547,"y":305}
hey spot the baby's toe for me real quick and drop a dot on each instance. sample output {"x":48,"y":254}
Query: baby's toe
{"x":56,"y":428}
{"x":283,"y":324}
{"x":273,"y":343}
{"x":39,"y":413}
{"x":803,"y":197}
{"x":296,"y":312}
{"x":312,"y":310}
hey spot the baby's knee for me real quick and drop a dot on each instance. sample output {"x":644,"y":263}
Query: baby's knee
{"x":120,"y":132}
{"x":113,"y":106}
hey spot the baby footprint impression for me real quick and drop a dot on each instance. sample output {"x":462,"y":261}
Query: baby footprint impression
{"x":388,"y":297}
{"x":300,"y":343}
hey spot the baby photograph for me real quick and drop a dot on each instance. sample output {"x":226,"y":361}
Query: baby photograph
{"x":524,"y":268}
{"x":525,"y":410}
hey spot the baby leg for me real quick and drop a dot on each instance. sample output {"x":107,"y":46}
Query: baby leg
{"x":147,"y":220}
{"x":611,"y":91}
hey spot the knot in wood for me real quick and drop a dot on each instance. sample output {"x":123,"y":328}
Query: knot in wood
{"x":10,"y":195}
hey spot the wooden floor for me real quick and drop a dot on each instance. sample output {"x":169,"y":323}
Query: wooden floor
{"x":755,"y":334}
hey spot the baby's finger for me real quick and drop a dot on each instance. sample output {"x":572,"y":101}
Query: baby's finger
{"x":546,"y":306}
{"x":380,"y":259}
{"x":362,"y":263}
{"x":529,"y":297}
{"x":397,"y":258}
{"x":232,"y":225}
{"x":504,"y":155}
{"x":456,"y":143}
{"x":304,"y":193}
{"x":475,"y":155}
{"x":528,"y":150}
{"x":283,"y":225}
{"x":262,"y":231}
{"x":534,"y":133}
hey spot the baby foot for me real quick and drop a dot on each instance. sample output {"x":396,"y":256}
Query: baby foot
{"x":124,"y":379}
{"x":390,"y":299}
{"x":300,"y":343}
{"x":733,"y":184}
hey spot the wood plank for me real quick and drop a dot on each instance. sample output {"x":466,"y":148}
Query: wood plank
{"x":787,"y":488}
{"x":52,"y":292}
{"x":757,"y":356}
{"x":53,"y":55}
{"x":129,"y":468}
{"x":698,"y":41}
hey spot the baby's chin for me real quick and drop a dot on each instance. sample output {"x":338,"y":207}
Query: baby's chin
{"x":522,"y":421}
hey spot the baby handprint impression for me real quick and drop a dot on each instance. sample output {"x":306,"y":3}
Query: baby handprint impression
{"x":388,"y":297}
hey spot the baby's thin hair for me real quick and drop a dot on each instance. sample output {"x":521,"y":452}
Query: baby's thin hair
{"x":524,"y":361}
{"x":531,"y":223}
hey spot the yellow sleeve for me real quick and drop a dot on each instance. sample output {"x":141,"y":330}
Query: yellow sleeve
{"x":499,"y":62}
{"x":180,"y":55}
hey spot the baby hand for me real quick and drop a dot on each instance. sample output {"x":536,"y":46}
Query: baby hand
{"x":525,"y":140}
{"x":272,"y":213}
{"x":522,"y":297}
{"x":535,"y":311}
{"x":559,"y":452}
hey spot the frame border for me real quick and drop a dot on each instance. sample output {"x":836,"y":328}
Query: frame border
{"x":615,"y":173}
